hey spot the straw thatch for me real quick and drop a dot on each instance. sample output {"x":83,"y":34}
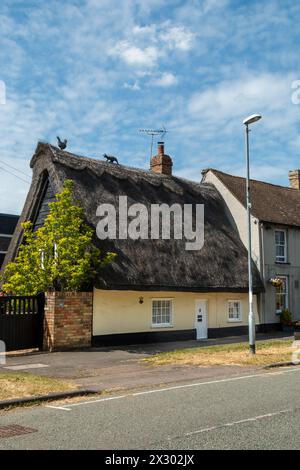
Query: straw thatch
{"x":220,"y":266}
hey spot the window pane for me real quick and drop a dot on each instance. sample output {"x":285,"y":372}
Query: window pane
{"x":234,"y":310}
{"x":161,"y":312}
{"x":280,"y":237}
{"x":280,"y":250}
{"x":280,"y":245}
{"x":282,"y":295}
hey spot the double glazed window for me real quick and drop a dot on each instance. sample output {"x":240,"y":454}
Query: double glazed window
{"x":280,"y":246}
{"x":234,"y":311}
{"x":282,"y":300}
{"x":161,"y":312}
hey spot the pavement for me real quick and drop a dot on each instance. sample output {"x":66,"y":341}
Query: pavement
{"x":119,"y":368}
{"x":258,"y":410}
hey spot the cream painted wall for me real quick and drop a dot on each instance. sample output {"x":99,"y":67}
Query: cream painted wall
{"x":121,"y":312}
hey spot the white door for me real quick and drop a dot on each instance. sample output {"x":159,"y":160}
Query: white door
{"x":201,"y":318}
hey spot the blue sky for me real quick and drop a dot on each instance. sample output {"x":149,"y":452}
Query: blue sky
{"x":95,"y":71}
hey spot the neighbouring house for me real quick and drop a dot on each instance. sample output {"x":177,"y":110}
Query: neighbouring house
{"x":275,"y":224}
{"x":155,"y":290}
{"x":8,"y":224}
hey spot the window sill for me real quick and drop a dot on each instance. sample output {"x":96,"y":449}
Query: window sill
{"x":162,"y":326}
{"x":282,"y":262}
{"x":234,"y":321}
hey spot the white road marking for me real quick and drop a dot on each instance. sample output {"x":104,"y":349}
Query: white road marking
{"x":68,"y":407}
{"x":177,"y":387}
{"x":26,"y":366}
{"x":58,"y":407}
{"x":233,"y":423}
{"x":265,"y":374}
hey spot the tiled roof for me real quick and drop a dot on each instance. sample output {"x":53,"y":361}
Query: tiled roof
{"x":270,"y":202}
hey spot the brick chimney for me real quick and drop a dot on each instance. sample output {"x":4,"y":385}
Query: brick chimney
{"x":294,"y":177}
{"x":161,"y":163}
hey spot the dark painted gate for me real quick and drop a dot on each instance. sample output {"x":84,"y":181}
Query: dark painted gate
{"x":21,"y":321}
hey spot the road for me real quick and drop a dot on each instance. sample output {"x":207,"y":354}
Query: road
{"x":258,"y":411}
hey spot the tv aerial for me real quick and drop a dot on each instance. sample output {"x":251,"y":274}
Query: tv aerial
{"x":152,"y":132}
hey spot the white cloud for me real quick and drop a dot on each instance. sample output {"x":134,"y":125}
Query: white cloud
{"x":136,"y":56}
{"x":134,"y":86}
{"x":176,"y":37}
{"x":167,"y":35}
{"x":144,"y":30}
{"x":165,"y":80}
{"x":150,"y":42}
{"x":209,"y":5}
{"x":230,"y":99}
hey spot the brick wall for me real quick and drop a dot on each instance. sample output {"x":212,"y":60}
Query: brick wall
{"x":68,"y":320}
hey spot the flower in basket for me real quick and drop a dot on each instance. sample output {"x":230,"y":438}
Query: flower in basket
{"x":276,"y":281}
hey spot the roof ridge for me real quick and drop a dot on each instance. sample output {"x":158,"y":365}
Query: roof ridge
{"x":94,"y":160}
{"x":58,"y":152}
{"x":252,"y":179}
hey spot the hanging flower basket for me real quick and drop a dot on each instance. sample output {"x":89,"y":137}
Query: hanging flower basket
{"x":276,"y":281}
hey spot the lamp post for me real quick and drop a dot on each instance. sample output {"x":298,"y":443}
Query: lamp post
{"x":251,"y":320}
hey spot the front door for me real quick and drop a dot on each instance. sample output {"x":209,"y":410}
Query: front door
{"x":201,"y":318}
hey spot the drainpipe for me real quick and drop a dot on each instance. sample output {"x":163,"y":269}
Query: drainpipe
{"x":263,"y":271}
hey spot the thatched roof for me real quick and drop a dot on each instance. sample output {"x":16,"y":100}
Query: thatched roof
{"x":220,"y":266}
{"x":269,"y":202}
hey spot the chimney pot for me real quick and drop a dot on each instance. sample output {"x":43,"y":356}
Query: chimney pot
{"x":160,"y":148}
{"x":294,"y":177}
{"x":161,"y":163}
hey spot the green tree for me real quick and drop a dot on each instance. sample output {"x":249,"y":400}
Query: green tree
{"x":58,"y":256}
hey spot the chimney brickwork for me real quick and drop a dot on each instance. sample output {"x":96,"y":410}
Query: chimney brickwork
{"x":294,"y":177}
{"x":161,"y":163}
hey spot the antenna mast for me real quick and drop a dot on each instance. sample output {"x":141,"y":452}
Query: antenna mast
{"x":161,"y":132}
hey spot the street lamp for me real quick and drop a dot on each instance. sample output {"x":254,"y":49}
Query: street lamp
{"x":251,"y":320}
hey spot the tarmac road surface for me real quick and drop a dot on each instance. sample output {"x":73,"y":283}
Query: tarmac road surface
{"x":254,"y":411}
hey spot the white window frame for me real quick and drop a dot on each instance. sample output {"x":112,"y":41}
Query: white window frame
{"x":162,"y":325}
{"x":235,"y":320}
{"x":286,"y":278}
{"x":284,"y":260}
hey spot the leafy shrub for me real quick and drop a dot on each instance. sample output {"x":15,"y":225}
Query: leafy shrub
{"x":286,"y":317}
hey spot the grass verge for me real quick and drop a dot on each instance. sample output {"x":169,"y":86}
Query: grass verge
{"x":19,"y":385}
{"x":228,"y":354}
